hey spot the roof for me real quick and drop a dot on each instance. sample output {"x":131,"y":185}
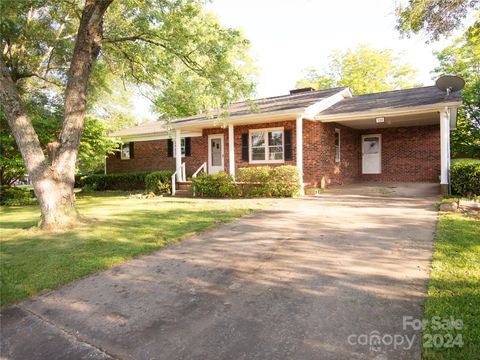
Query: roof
{"x":388,"y":100}
{"x":152,"y":127}
{"x":275,"y":103}
{"x":258,"y":106}
{"x":429,"y":95}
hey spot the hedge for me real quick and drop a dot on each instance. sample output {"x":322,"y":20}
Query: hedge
{"x":102,"y":182}
{"x":465,"y":177}
{"x":219,"y":185}
{"x":159,"y":182}
{"x":264,"y":181}
{"x":15,"y":196}
{"x":260,"y":181}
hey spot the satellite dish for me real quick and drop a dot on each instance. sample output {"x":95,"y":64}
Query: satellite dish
{"x":450,"y":83}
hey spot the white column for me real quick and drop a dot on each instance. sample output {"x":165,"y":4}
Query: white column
{"x":178,"y":155}
{"x":299,"y":152}
{"x":231,"y":151}
{"x":444,"y":150}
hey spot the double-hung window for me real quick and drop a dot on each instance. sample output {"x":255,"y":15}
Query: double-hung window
{"x":267,"y":146}
{"x":337,"y":145}
{"x":125,"y":151}
{"x":182,"y":145}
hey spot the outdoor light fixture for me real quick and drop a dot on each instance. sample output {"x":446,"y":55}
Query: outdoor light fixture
{"x":380,"y":120}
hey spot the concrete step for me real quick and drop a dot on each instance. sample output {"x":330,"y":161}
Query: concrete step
{"x":185,"y":185}
{"x":184,"y":193}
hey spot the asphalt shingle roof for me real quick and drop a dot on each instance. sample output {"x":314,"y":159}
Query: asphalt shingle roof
{"x":428,"y":95}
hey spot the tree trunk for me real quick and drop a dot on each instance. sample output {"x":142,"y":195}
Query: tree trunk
{"x":53,"y":183}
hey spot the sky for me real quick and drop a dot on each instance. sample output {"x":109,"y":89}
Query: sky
{"x":288,"y":36}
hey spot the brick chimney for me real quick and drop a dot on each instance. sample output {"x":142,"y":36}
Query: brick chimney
{"x":301,"y":90}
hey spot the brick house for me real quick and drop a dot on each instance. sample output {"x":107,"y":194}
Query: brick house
{"x":332,"y":137}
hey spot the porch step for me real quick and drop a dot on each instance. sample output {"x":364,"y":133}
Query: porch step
{"x":184,"y":185}
{"x":184,"y":193}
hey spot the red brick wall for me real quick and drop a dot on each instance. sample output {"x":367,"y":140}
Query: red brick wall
{"x":152,"y":155}
{"x":319,"y":164}
{"x":408,"y":154}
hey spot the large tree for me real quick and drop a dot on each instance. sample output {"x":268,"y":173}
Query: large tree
{"x":66,"y":48}
{"x":463,"y":59}
{"x":363,"y":69}
{"x":434,"y":17}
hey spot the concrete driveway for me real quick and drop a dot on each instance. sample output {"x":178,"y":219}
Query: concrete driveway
{"x":310,"y":278}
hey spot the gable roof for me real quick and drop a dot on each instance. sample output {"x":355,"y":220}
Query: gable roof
{"x":258,"y":106}
{"x":334,"y":101}
{"x":396,"y":99}
{"x":275,"y":103}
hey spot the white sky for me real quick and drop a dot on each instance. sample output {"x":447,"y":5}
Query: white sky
{"x":288,"y":36}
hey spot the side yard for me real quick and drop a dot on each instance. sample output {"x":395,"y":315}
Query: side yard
{"x":454,"y":291}
{"x":121,"y":227}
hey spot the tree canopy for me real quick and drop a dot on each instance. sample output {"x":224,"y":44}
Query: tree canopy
{"x":70,"y":51}
{"x":462,"y":58}
{"x":363,"y":69}
{"x":435,"y":17}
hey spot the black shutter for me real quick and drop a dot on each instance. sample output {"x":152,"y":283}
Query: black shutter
{"x":131,"y":150}
{"x":169,"y":148}
{"x":118,"y":153}
{"x":287,"y":143}
{"x":187,"y":146}
{"x":245,"y":147}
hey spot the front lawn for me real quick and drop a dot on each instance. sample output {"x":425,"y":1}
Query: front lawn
{"x":454,"y":290}
{"x":121,"y":227}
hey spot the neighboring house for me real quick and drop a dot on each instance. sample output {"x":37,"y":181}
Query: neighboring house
{"x":330,"y":135}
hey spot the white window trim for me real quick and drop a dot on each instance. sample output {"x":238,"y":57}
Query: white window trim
{"x":184,"y":147}
{"x":121,"y":151}
{"x":337,"y":160}
{"x":266,"y":161}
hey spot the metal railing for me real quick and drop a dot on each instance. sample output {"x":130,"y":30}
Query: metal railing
{"x":174,"y":183}
{"x":202,"y":167}
{"x":184,"y":173}
{"x":195,"y":174}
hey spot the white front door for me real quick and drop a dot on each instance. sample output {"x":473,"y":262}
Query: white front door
{"x":215,"y":153}
{"x":372,"y":154}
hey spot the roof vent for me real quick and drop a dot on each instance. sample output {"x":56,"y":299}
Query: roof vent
{"x":301,"y":90}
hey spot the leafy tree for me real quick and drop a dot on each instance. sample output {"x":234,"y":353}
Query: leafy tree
{"x":364,"y":70}
{"x":435,"y":17}
{"x":46,"y":117}
{"x":463,"y":59}
{"x":67,"y":50}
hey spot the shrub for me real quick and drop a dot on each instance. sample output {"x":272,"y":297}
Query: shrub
{"x":158,"y":182}
{"x":219,"y":185}
{"x":123,"y":181}
{"x":284,"y":181}
{"x":465,"y":177}
{"x":15,"y":196}
{"x":263,"y":181}
{"x":254,"y":181}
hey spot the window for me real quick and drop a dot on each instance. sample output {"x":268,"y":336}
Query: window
{"x":337,"y":145}
{"x":125,"y":152}
{"x":182,"y":143}
{"x":266,"y":146}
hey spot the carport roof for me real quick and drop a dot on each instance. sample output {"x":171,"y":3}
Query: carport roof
{"x":429,"y":95}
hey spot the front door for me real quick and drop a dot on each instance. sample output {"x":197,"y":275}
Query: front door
{"x":215,"y":153}
{"x":371,"y":154}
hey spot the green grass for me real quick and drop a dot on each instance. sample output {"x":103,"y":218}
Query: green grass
{"x":454,"y":287}
{"x":33,"y":260}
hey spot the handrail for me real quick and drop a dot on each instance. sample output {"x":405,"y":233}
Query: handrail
{"x":203,"y":166}
{"x":174,"y":183}
{"x":184,"y":173}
